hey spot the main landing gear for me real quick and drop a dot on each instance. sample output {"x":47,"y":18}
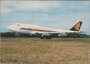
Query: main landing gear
{"x":45,"y":37}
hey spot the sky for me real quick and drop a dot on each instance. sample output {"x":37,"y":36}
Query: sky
{"x":52,"y":14}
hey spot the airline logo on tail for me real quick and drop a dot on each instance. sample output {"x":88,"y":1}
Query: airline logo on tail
{"x":77,"y":26}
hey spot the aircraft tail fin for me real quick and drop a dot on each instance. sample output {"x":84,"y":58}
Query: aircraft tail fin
{"x":77,"y":26}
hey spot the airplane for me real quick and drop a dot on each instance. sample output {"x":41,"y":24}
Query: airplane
{"x":45,"y":33}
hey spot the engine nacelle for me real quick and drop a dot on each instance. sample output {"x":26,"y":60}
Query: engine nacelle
{"x":62,"y":34}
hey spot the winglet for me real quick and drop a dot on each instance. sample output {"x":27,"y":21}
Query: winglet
{"x":77,"y":26}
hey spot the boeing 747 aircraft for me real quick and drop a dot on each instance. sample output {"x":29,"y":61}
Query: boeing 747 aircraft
{"x":45,"y":33}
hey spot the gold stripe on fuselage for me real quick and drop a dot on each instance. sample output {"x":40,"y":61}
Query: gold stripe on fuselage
{"x":40,"y":30}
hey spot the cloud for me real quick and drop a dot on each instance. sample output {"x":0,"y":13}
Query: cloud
{"x":37,"y":4}
{"x":10,"y":6}
{"x":4,"y":8}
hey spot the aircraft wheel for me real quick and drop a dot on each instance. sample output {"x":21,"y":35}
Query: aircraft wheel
{"x":42,"y":37}
{"x":46,"y":37}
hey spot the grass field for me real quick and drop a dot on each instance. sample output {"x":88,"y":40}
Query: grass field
{"x":37,"y":51}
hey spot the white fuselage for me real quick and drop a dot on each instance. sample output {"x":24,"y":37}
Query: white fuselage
{"x":29,"y":28}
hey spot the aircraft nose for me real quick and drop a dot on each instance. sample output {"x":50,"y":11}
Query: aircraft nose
{"x":12,"y":27}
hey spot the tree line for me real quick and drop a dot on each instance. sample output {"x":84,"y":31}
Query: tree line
{"x":13,"y":34}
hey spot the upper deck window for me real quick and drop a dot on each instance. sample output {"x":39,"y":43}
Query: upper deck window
{"x":17,"y":24}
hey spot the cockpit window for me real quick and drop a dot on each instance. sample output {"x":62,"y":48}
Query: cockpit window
{"x":17,"y":24}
